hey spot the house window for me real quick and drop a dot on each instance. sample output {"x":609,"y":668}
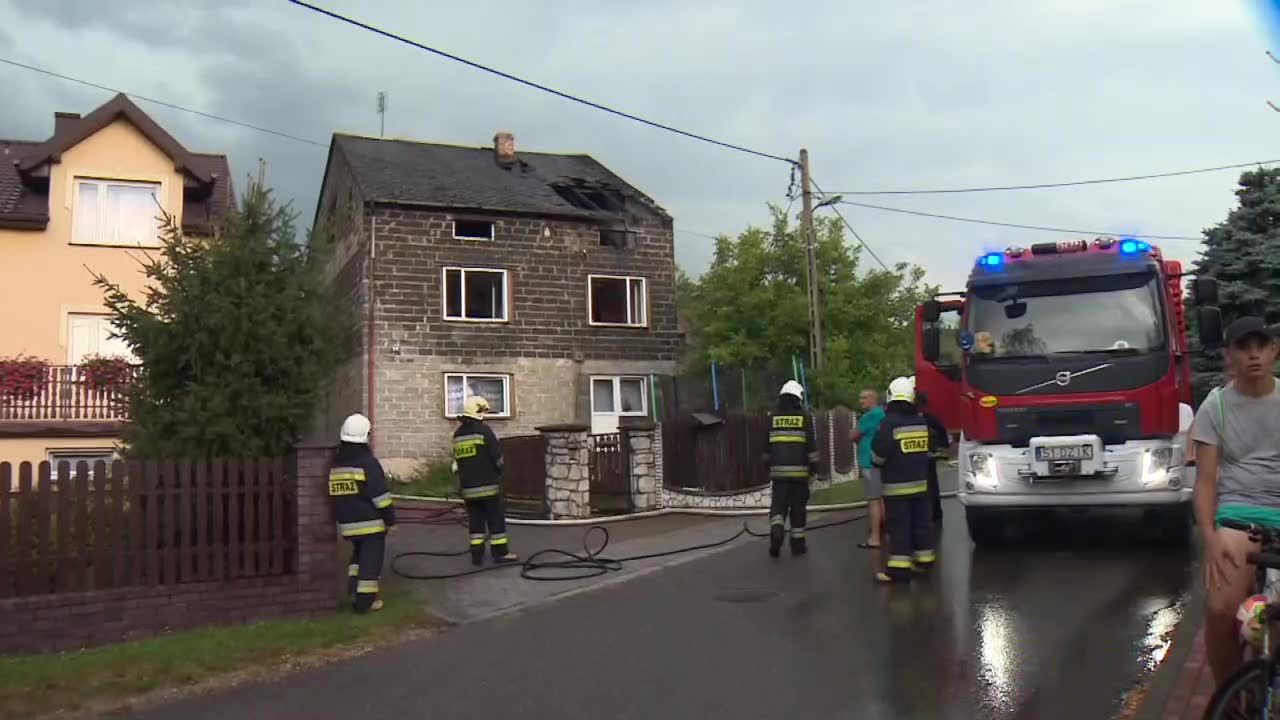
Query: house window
{"x":88,"y":456}
{"x":473,"y":229}
{"x":616,"y":300}
{"x":94,"y":335}
{"x":623,"y":396}
{"x":617,"y":238}
{"x":495,"y":388}
{"x":114,"y":212}
{"x":475,"y":294}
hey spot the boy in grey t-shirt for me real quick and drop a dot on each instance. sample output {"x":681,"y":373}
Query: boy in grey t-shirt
{"x":1237,"y":436}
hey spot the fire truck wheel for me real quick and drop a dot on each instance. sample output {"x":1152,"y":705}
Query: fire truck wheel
{"x":1174,"y":525}
{"x":984,"y":529}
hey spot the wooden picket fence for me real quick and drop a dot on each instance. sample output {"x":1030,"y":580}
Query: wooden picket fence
{"x":136,"y":523}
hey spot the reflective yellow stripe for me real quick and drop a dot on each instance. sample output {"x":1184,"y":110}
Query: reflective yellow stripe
{"x":479,"y":492}
{"x":367,"y":586}
{"x":382,"y":501}
{"x":475,"y":541}
{"x":353,"y":570}
{"x":924,"y":556}
{"x":364,"y":527}
{"x":899,"y":562}
{"x":347,"y":473}
{"x":777,"y":520}
{"x":797,"y":532}
{"x":498,"y":540}
{"x":900,"y":489}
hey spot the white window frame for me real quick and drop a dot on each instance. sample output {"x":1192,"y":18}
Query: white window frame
{"x":102,"y":185}
{"x":493,"y":229}
{"x":444,"y":294}
{"x":644,"y":301}
{"x":617,"y":395}
{"x":506,"y":391}
{"x":53,"y":455}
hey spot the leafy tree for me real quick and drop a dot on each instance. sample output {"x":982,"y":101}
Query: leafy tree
{"x":237,"y":335}
{"x":1243,"y":254}
{"x":750,"y":309}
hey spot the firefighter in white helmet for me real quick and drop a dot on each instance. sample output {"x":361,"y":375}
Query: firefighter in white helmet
{"x":793,"y":459}
{"x":363,"y":509}
{"x":477,"y":459}
{"x":901,"y":450}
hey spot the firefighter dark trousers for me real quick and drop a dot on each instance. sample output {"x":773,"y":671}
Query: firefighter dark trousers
{"x":935,"y":496}
{"x":487,"y":517}
{"x":911,"y":534}
{"x":790,"y":498}
{"x":365,"y":568}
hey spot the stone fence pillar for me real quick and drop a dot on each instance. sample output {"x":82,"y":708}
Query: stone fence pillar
{"x":568,"y":470}
{"x":641,"y":434}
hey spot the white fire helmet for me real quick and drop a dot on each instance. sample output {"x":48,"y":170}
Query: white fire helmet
{"x":355,"y":429}
{"x":792,"y":388}
{"x":903,"y":390}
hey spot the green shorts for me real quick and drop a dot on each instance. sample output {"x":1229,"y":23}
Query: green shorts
{"x":1257,"y":515}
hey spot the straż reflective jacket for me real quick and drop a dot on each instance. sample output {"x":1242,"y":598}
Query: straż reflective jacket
{"x":793,"y":443}
{"x":362,"y":503}
{"x":478,"y":457}
{"x":901,"y":451}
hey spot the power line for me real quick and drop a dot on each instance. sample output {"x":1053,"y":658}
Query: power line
{"x":1069,"y":183}
{"x":851,"y":230}
{"x":1019,"y":226}
{"x":536,"y":86}
{"x":162,"y":103}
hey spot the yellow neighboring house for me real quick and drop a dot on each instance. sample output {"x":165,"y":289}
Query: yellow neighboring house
{"x":86,"y":199}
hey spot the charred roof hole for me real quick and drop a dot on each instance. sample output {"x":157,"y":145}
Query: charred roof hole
{"x":588,"y":196}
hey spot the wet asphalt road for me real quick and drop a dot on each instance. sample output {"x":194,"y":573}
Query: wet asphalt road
{"x":1059,"y":624}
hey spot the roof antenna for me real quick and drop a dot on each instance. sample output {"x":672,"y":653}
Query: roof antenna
{"x":382,"y":113}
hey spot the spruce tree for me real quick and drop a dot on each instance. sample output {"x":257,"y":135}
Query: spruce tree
{"x":237,"y":334}
{"x":1243,"y":254}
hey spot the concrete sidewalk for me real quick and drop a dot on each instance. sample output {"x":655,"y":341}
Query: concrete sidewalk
{"x":495,"y":592}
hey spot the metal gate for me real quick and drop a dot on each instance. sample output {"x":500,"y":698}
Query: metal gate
{"x":524,"y":481}
{"x":610,"y":473}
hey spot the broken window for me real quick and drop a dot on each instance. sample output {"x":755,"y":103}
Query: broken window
{"x":617,"y":238}
{"x":473,"y":229}
{"x":586,"y":196}
{"x":616,"y":300}
{"x":475,"y":294}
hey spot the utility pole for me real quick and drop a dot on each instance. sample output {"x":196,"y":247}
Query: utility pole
{"x":811,"y":264}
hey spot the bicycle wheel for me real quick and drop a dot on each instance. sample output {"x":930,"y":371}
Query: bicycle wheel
{"x":1242,"y":695}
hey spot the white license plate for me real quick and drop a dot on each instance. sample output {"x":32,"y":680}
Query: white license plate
{"x":1065,"y":452}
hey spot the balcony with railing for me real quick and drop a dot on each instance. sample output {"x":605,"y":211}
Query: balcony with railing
{"x":48,"y":395}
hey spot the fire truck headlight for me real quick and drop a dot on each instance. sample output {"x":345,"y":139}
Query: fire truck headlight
{"x":982,"y":471}
{"x":1155,"y":466}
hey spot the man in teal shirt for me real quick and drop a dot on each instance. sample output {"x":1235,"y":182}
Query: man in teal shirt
{"x":864,"y":434}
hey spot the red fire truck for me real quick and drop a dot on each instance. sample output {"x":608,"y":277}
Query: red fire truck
{"x":1065,"y":371}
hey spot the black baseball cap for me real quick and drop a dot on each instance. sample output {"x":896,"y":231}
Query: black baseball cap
{"x":1247,"y":326}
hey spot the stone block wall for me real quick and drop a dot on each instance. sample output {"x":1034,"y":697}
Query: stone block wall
{"x":568,"y":471}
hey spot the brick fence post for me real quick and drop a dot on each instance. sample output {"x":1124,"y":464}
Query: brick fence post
{"x":317,"y":536}
{"x":568,"y":461}
{"x":641,"y":433}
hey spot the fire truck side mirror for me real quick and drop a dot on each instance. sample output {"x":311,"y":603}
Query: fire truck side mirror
{"x":931,"y":310}
{"x":1209,"y":320}
{"x":1205,"y":291}
{"x":932,"y":346}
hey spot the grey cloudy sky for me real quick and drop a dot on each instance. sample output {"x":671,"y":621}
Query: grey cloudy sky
{"x":884,"y":95}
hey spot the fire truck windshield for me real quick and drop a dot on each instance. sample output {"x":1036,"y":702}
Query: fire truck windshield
{"x":1104,"y":314}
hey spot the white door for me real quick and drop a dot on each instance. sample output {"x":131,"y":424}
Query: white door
{"x":89,"y":335}
{"x":613,"y":397}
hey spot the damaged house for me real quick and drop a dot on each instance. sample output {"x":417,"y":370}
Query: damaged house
{"x":543,"y":282}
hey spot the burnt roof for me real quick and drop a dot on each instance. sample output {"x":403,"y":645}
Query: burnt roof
{"x":24,"y":190}
{"x":471,"y":178}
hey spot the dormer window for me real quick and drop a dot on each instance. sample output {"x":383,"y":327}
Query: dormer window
{"x":116,"y":212}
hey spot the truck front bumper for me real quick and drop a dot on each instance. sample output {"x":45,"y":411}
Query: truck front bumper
{"x":1042,"y":499}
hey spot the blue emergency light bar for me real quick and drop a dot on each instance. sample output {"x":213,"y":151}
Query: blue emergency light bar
{"x":991,"y":260}
{"x":1128,"y":246}
{"x":1133,"y":247}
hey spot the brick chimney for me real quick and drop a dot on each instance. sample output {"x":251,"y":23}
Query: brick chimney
{"x":504,"y":148}
{"x":63,"y":122}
